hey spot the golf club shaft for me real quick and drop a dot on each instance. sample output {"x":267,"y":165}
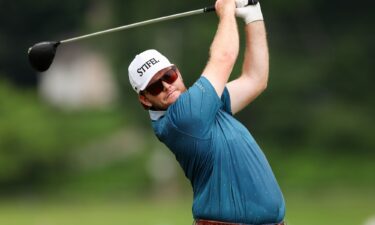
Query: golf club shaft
{"x":156,"y":20}
{"x":160,"y":19}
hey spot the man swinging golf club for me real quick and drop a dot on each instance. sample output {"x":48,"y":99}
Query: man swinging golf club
{"x":231,"y":178}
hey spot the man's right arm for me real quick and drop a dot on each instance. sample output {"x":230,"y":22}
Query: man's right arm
{"x":224,"y":48}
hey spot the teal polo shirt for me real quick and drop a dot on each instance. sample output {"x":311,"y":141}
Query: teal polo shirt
{"x":231,"y":178}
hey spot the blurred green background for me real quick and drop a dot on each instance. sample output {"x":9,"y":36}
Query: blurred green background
{"x":77,"y":148}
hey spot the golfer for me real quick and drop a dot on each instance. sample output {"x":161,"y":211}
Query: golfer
{"x":231,"y":178}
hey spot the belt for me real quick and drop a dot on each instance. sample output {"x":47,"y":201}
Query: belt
{"x":211,"y":222}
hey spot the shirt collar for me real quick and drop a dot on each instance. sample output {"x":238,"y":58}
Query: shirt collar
{"x":155,"y":115}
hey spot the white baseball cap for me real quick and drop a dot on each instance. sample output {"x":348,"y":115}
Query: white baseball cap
{"x":144,"y":66}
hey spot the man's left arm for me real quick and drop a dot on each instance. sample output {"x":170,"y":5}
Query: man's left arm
{"x":254,"y":77}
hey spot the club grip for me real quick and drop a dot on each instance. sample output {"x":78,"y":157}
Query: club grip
{"x":212,"y":7}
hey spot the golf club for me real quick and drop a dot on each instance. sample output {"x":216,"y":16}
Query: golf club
{"x":41,"y":55}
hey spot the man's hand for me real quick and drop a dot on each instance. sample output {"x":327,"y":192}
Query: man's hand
{"x":250,"y":13}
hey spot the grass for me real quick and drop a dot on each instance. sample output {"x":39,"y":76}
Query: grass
{"x":341,"y":207}
{"x":319,"y":207}
{"x":99,"y":213}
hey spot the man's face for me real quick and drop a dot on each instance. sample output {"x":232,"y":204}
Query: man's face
{"x":169,"y":86}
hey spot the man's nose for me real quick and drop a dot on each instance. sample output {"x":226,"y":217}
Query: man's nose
{"x":165,"y":85}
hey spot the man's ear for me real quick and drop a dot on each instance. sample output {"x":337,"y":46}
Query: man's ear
{"x":144,"y":101}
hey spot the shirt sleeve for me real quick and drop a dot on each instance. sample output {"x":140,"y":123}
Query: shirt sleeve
{"x":225,"y":99}
{"x":195,"y":110}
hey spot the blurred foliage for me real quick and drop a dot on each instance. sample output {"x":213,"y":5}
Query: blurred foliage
{"x":23,"y":23}
{"x":318,"y":107}
{"x":36,"y":140}
{"x":320,"y":92}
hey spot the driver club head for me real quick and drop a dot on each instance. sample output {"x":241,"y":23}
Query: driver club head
{"x":41,"y":55}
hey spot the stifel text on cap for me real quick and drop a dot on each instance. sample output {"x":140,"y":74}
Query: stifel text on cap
{"x":147,"y":66}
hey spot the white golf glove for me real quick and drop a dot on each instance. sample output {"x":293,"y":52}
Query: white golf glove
{"x":250,"y":13}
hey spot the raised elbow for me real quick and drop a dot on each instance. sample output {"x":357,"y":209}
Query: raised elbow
{"x":264,"y":84}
